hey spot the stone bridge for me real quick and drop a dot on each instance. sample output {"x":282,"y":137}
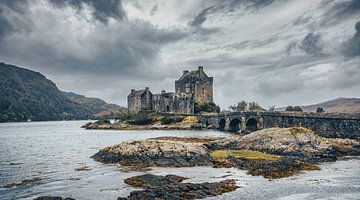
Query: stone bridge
{"x":324,"y":124}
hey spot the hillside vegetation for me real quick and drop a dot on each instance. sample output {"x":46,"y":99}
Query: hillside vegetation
{"x":25,"y":94}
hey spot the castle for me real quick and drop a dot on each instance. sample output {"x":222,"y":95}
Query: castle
{"x":192,"y":87}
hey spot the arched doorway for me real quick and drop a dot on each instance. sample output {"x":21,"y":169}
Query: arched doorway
{"x":167,"y":108}
{"x":222,"y":124}
{"x":234,"y":125}
{"x":251,"y":125}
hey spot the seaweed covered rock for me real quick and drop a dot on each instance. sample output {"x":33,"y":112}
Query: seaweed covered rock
{"x":171,"y":187}
{"x":153,"y":152}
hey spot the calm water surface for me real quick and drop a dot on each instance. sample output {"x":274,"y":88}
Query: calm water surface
{"x":47,"y":154}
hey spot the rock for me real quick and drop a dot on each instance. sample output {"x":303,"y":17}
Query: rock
{"x":272,"y":153}
{"x":154,"y":152}
{"x":24,"y":183}
{"x":83,"y":168}
{"x":86,"y":125}
{"x":101,"y":124}
{"x":295,"y":141}
{"x":158,"y":126}
{"x":171,"y":187}
{"x":53,"y":198}
{"x":287,"y":166}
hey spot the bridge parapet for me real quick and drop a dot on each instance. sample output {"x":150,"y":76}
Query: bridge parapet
{"x":341,"y":125}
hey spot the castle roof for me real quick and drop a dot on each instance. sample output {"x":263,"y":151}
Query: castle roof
{"x":138,"y":93}
{"x":194,"y":75}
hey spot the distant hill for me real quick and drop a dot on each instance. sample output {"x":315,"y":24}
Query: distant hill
{"x":340,"y":105}
{"x":96,"y":106}
{"x":25,"y":94}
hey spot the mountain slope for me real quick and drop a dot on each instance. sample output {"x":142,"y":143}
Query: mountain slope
{"x":95,"y":105}
{"x":339,"y":105}
{"x":25,"y":94}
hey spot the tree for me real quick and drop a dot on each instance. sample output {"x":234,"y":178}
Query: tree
{"x":253,"y":106}
{"x":272,"y":108}
{"x":298,"y":109}
{"x":320,"y":110}
{"x":289,"y":109}
{"x":293,"y":109}
{"x":206,"y":108}
{"x":242,"y":106}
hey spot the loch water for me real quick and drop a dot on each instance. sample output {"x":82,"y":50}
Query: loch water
{"x":44,"y":158}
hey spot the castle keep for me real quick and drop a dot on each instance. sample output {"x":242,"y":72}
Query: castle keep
{"x":192,"y":87}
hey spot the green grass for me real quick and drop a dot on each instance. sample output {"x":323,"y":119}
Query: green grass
{"x":221,"y":155}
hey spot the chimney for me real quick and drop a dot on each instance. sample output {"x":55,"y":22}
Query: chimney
{"x":201,"y":68}
{"x":132,"y":90}
{"x":185,"y":71}
{"x":163,"y":91}
{"x":147,"y":88}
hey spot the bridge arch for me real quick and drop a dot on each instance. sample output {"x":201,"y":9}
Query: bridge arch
{"x":222,"y":124}
{"x":251,"y":125}
{"x":235,"y":125}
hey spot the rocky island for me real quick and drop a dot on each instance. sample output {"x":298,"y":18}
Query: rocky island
{"x":150,"y":121}
{"x":272,"y":153}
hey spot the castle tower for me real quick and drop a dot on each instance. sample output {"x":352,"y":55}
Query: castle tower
{"x":195,"y":84}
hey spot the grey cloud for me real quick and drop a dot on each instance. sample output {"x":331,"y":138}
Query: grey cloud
{"x":229,"y":6}
{"x":346,"y":8}
{"x":5,"y":25}
{"x":102,"y":9}
{"x":338,"y":11}
{"x":200,"y":18}
{"x":352,"y":46}
{"x":122,"y":49}
{"x":311,"y":44}
{"x":289,"y":48}
{"x":154,"y":9}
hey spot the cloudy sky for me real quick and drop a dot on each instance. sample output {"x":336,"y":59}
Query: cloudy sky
{"x":275,"y":52}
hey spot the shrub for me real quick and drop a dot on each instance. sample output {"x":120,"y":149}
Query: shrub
{"x":320,"y":110}
{"x":293,"y":109}
{"x":206,"y":107}
{"x":171,"y":119}
{"x":141,"y":119}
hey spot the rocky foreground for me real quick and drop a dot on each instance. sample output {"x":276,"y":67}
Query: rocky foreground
{"x":171,"y":187}
{"x":272,"y":153}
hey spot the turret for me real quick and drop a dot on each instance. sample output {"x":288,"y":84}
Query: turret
{"x":201,"y":69}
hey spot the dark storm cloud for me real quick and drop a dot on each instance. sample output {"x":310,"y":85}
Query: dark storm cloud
{"x":201,"y":17}
{"x":154,"y":9}
{"x":122,"y":48}
{"x":103,"y":9}
{"x":6,"y":27}
{"x":346,"y":8}
{"x":352,"y":46}
{"x":311,"y":44}
{"x":228,"y":6}
{"x":339,"y":11}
